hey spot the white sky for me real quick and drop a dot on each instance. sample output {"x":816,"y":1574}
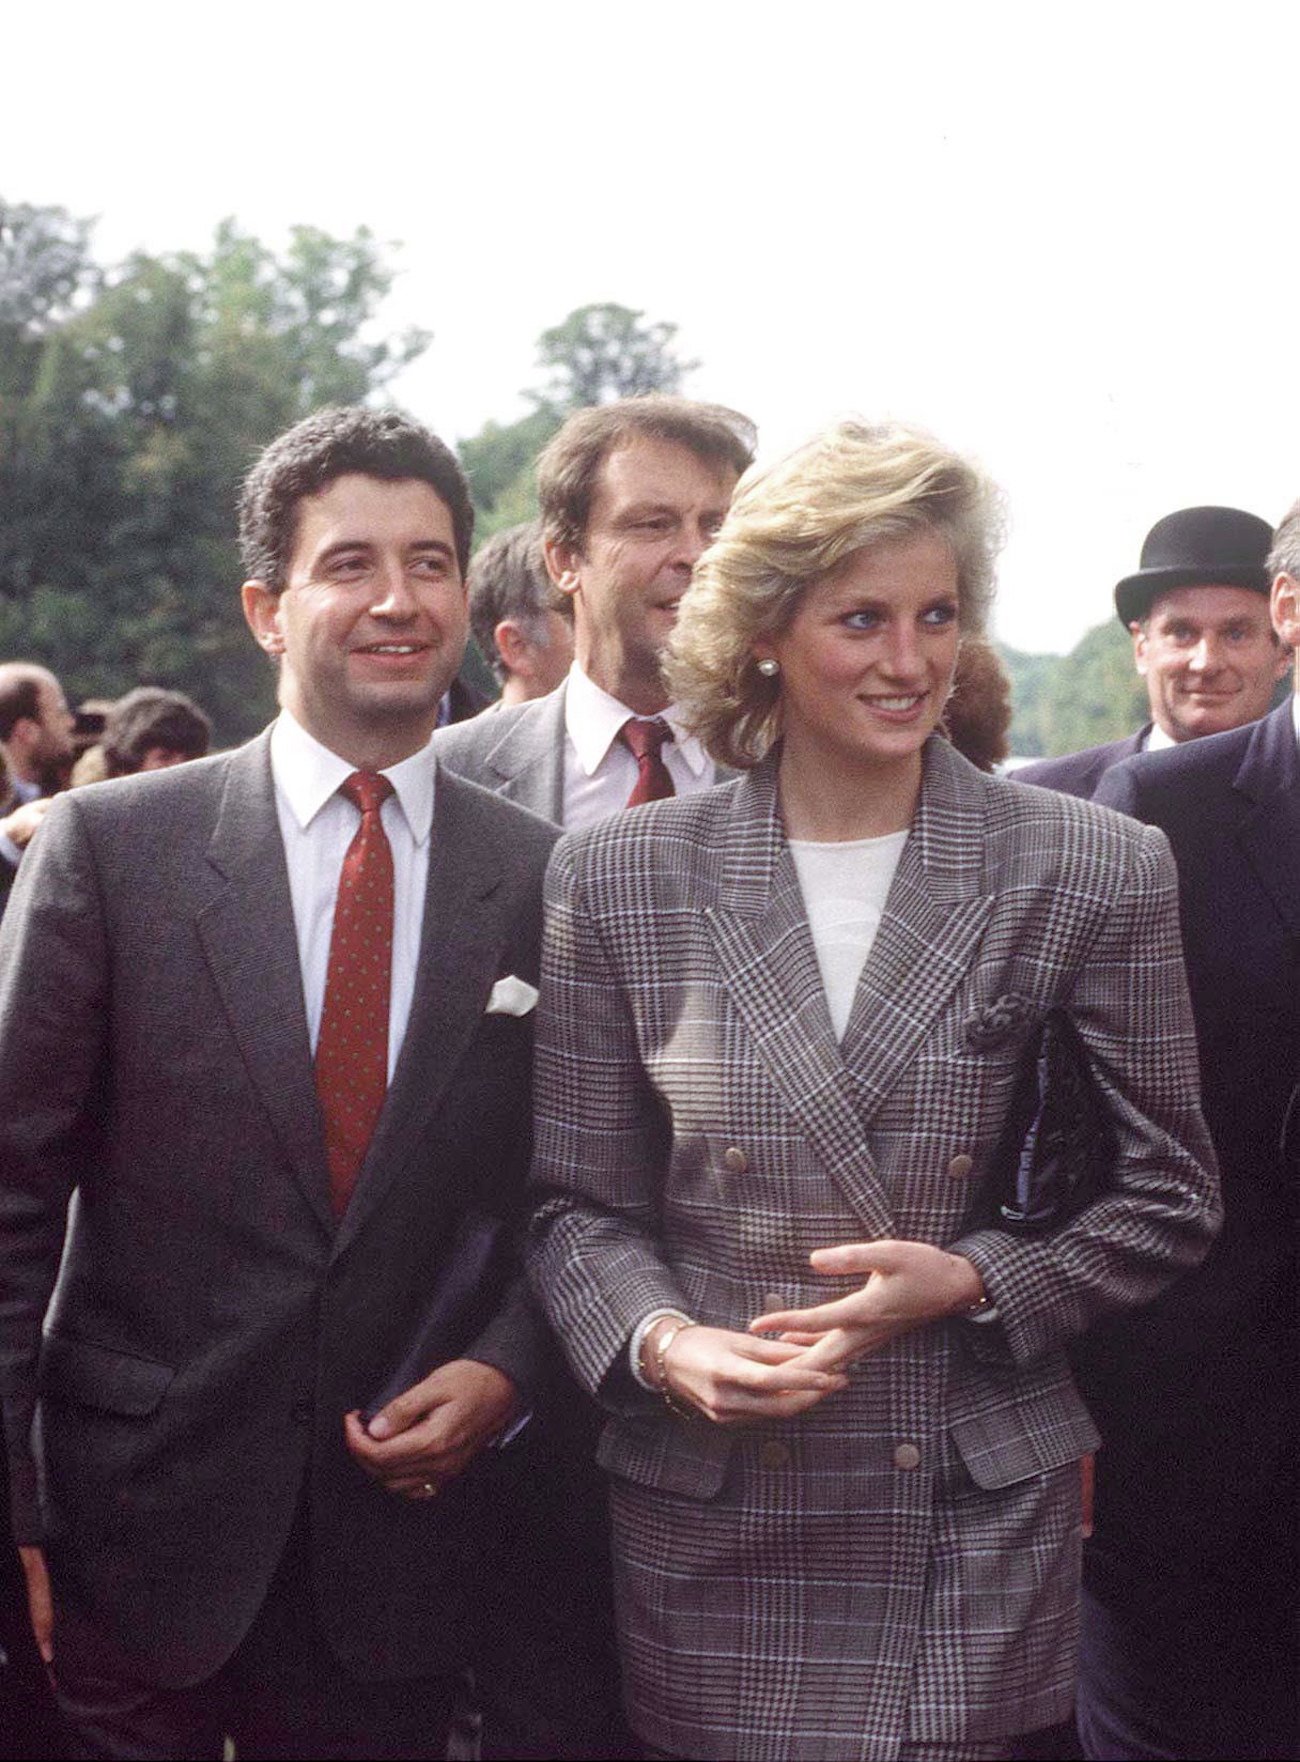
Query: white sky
{"x":1063,"y":239}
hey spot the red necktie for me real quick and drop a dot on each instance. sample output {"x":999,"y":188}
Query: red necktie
{"x":352,"y":1047}
{"x":645,"y":741}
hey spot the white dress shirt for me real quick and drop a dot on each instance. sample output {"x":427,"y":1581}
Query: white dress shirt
{"x":317,"y":825}
{"x":599,"y":771}
{"x":23,"y":792}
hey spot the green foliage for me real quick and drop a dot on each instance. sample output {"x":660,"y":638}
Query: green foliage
{"x":1065,"y":702}
{"x":596,"y":354}
{"x":140,"y":410}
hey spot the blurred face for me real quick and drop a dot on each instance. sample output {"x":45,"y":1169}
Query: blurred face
{"x":1209,"y":658}
{"x":53,"y":743}
{"x":655,"y":510}
{"x":372,"y":621}
{"x":866,"y":664}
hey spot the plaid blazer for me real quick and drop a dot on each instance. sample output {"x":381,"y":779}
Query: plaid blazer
{"x":900,"y":1563}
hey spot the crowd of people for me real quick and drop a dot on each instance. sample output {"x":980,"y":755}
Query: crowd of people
{"x":686,"y":1211}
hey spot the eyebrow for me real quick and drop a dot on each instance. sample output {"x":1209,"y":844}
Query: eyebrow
{"x":344,"y":545}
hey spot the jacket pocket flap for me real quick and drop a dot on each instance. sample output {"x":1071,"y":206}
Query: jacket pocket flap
{"x":1011,"y":1443}
{"x":96,"y":1376}
{"x":667,"y":1457}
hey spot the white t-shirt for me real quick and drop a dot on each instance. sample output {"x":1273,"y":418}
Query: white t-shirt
{"x":844,"y":888}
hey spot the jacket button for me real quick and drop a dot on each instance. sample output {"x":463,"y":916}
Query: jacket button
{"x":960,"y":1166}
{"x":907,"y":1456}
{"x":774,"y":1302}
{"x":734,"y":1160}
{"x":774,"y":1455}
{"x":302,"y":1413}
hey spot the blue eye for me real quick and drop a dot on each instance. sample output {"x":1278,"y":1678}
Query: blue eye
{"x":941,"y":615}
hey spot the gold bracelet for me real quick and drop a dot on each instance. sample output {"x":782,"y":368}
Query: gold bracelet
{"x":659,"y":1376}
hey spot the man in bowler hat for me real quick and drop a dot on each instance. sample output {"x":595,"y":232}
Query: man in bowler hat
{"x":1189,"y":1641}
{"x":1197,"y":610}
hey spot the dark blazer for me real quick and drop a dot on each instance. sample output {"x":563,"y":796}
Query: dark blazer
{"x":1200,"y":1377}
{"x":1080,"y":773}
{"x":211,"y":1324}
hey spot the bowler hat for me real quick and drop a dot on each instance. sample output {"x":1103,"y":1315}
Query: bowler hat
{"x":1197,"y":547}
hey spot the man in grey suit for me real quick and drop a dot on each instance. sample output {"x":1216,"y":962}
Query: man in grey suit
{"x":264,"y":1020}
{"x":1197,"y":610}
{"x":631,"y":493}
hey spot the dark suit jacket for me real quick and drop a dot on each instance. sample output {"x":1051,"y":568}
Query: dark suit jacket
{"x":1198,"y":1382}
{"x":1080,"y":773}
{"x":211,"y":1324}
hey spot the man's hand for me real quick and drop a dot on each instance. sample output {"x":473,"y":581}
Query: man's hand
{"x":40,"y":1605}
{"x":735,"y":1380}
{"x":430,"y":1434}
{"x":908,"y":1284}
{"x":20,"y":825}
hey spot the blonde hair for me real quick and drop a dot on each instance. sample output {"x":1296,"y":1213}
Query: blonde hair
{"x":790,"y":525}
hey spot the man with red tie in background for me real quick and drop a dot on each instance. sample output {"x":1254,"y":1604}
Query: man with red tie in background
{"x":631,"y":494}
{"x":255,"y":1022}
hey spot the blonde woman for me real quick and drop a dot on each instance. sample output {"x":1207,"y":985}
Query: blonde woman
{"x":780,"y":1031}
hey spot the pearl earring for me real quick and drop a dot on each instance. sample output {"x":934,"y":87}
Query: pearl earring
{"x":769,"y":668}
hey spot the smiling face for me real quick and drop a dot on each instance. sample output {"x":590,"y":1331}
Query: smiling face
{"x":1209,"y":658}
{"x":372,"y":621}
{"x":866,"y":663}
{"x":656,"y":508}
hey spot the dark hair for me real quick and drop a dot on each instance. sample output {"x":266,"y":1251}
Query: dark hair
{"x":333,"y":443}
{"x":978,"y":714}
{"x":20,"y":694}
{"x":570,"y":463}
{"x":508,"y":579}
{"x":149,"y":717}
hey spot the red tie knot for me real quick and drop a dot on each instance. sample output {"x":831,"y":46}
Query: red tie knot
{"x":641,"y":736}
{"x":366,"y":790}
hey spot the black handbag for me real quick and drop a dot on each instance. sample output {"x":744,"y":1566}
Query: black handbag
{"x":1056,"y":1152}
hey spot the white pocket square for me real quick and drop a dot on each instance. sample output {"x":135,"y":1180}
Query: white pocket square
{"x":511,"y":997}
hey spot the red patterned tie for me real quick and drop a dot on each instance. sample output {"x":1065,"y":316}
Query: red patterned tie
{"x":352,"y":1048}
{"x":645,"y":741}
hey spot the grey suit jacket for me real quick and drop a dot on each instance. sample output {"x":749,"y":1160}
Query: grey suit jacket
{"x":700,"y":1130}
{"x":518,"y":752}
{"x":211,"y":1325}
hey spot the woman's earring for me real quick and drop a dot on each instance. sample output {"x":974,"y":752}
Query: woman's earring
{"x":769,"y":668}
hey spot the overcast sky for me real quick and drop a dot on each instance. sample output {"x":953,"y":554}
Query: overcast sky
{"x":1063,"y":239}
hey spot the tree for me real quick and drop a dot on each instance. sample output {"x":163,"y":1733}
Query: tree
{"x":145,"y":406}
{"x":44,"y":266}
{"x":604,"y":352}
{"x":596,"y":354}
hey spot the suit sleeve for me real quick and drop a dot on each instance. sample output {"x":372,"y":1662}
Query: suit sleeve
{"x":1118,"y":789}
{"x":53,"y":1010}
{"x":1162,"y":1209}
{"x":601,"y":1148}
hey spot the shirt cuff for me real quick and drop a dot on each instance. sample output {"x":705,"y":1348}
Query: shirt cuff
{"x":638,"y":1341}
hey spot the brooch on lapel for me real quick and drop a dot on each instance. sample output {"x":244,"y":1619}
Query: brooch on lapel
{"x":1003,"y":1019}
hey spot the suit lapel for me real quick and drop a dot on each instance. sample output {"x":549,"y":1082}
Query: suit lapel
{"x":1269,"y":834}
{"x":528,"y":762}
{"x":460,"y":941}
{"x":248,"y":938}
{"x":933,"y":920}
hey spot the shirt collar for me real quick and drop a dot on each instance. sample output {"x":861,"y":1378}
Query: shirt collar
{"x":1157,"y":740}
{"x":592,"y":719}
{"x":308,"y":774}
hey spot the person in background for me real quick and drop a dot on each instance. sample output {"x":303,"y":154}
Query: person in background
{"x":151,"y":729}
{"x":36,"y":748}
{"x":631,"y":493}
{"x":979,"y":712}
{"x":779,"y":1027}
{"x":518,"y":626}
{"x":1190,"y":1642}
{"x":1197,"y":610}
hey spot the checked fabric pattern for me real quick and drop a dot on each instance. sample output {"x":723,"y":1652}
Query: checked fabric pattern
{"x":645,"y":740}
{"x":352,"y":1048}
